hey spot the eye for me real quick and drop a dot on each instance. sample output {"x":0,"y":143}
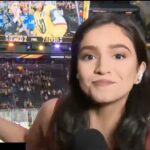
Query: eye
{"x":88,"y":57}
{"x":119,"y":56}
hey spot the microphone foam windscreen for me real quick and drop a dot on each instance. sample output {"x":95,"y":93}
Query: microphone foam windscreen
{"x":88,"y":139}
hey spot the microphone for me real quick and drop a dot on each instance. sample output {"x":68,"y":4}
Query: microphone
{"x":88,"y":139}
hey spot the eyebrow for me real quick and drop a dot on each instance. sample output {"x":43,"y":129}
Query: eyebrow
{"x":90,"y":47}
{"x":120,"y":46}
{"x":113,"y":46}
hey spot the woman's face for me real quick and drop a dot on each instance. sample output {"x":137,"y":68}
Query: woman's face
{"x":107,"y":64}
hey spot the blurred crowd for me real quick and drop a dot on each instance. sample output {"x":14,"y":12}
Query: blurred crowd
{"x":28,"y":85}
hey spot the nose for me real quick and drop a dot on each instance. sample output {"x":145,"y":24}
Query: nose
{"x":102,"y":66}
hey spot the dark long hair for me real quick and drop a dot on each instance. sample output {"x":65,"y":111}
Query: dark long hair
{"x":72,"y":115}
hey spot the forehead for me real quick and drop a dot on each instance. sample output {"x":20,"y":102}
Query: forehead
{"x":107,"y":34}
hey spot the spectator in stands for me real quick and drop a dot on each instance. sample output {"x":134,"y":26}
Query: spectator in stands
{"x":108,"y":90}
{"x":24,"y":80}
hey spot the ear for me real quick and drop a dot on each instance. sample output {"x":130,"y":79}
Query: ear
{"x":140,"y":73}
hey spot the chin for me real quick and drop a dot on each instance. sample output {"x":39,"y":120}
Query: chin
{"x":103,"y":100}
{"x":101,"y":97}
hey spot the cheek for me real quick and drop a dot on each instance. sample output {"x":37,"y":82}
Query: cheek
{"x":85,"y":76}
{"x":128,"y":74}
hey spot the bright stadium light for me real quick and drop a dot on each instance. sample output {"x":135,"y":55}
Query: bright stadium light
{"x":57,"y":45}
{"x":11,"y":44}
{"x":41,"y":47}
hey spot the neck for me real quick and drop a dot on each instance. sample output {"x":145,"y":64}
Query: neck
{"x":106,"y":119}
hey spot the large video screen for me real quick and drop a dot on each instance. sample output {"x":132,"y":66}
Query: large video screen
{"x":45,"y":21}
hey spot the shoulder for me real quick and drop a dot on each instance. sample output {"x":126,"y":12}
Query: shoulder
{"x":45,"y":113}
{"x":42,"y":120}
{"x":49,"y":105}
{"x":40,"y":125}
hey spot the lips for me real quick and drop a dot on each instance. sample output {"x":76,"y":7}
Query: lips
{"x":103,"y":82}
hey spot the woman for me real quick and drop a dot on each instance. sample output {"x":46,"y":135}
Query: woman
{"x":108,"y":82}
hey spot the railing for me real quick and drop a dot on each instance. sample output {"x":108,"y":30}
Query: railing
{"x":19,"y":116}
